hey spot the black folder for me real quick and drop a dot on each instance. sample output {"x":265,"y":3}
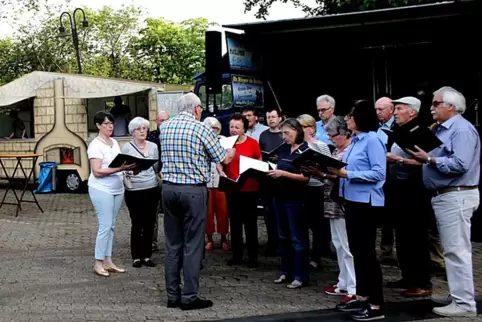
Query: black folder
{"x":312,"y":157}
{"x":142,"y":163}
{"x":408,"y":137}
{"x":227,"y":184}
{"x":271,"y":155}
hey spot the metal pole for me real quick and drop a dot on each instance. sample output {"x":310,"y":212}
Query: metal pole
{"x":75,"y":38}
{"x":75,"y":35}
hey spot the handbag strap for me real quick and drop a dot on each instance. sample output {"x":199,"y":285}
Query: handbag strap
{"x":137,"y":150}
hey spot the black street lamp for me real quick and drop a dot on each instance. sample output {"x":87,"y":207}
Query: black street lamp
{"x":75,"y":36}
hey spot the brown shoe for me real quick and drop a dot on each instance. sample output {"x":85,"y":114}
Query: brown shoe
{"x":416,"y":292}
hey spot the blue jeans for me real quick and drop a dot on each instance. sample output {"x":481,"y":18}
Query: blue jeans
{"x":293,"y":239}
{"x":107,"y":208}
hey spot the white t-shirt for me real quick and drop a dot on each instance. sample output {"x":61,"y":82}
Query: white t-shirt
{"x":112,"y":184}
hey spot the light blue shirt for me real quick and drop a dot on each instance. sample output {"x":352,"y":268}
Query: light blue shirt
{"x":386,"y":126}
{"x":321,"y":134}
{"x":457,"y":159}
{"x":256,"y":131}
{"x":366,"y":169}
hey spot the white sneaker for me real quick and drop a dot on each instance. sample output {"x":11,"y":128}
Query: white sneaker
{"x":452,"y":310}
{"x":441,"y":299}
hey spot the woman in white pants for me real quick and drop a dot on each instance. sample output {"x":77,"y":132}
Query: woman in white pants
{"x":346,"y":286}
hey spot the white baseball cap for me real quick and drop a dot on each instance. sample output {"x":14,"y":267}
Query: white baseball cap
{"x":411,"y":101}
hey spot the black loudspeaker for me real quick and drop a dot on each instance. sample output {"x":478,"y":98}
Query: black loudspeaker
{"x":214,"y":53}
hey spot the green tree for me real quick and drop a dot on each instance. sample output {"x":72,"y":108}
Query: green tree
{"x":112,"y":45}
{"x":7,"y":6}
{"x":104,"y":44}
{"x":323,"y":7}
{"x":171,"y":52}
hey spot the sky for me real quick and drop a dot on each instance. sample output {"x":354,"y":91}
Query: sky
{"x":220,"y":11}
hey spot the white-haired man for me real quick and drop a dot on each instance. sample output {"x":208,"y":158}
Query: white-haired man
{"x":188,"y":148}
{"x":452,"y":174}
{"x":325,"y":105}
{"x":411,"y":212}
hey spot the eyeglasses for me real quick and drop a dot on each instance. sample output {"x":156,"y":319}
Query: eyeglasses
{"x":142,"y":128}
{"x":437,"y":103}
{"x":323,"y":110}
{"x":331,"y":136}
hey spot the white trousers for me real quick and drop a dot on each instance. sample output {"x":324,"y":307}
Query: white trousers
{"x":346,"y":278}
{"x":453,"y":211}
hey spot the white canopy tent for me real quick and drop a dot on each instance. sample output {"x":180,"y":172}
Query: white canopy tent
{"x":79,"y":86}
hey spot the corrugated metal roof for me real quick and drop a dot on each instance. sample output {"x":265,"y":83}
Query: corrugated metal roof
{"x":445,"y":8}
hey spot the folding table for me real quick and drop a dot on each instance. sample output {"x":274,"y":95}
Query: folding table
{"x":26,"y":178}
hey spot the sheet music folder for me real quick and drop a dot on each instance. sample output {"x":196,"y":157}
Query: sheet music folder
{"x":143,"y":163}
{"x":310,"y":156}
{"x":421,"y":136}
{"x":248,"y":168}
{"x":269,"y":155}
{"x":228,"y":142}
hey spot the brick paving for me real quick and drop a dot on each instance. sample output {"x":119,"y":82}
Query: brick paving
{"x":46,"y":274}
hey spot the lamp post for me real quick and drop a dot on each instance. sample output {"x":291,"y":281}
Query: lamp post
{"x":73,"y":28}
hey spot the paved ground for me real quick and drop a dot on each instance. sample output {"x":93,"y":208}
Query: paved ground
{"x":46,"y":274}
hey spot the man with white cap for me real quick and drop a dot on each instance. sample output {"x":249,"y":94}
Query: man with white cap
{"x":451,"y":173}
{"x":410,"y":206}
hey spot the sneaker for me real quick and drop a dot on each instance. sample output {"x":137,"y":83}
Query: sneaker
{"x":346,"y":298}
{"x":452,"y":310}
{"x":334,"y":290}
{"x":352,"y":305}
{"x":368,"y":314}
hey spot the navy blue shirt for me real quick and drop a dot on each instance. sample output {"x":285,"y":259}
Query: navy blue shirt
{"x":285,"y":188}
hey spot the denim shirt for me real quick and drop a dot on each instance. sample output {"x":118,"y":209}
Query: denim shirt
{"x":321,"y":134}
{"x":457,"y":160}
{"x":366,"y":170}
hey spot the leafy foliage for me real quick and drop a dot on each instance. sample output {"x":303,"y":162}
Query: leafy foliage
{"x":112,"y":45}
{"x":171,"y":52}
{"x":323,"y":7}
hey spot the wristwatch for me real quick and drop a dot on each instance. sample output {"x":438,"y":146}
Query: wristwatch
{"x":400,"y":161}
{"x":429,"y":160}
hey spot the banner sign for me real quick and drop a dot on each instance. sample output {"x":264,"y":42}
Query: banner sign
{"x":247,"y":91}
{"x":241,"y":57}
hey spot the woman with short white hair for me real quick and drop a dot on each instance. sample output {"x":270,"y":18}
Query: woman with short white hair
{"x":217,"y":199}
{"x":141,"y":193}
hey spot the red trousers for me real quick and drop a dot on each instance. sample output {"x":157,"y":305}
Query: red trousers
{"x":217,"y":205}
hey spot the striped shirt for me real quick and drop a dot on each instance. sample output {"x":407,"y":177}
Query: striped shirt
{"x":188,"y":148}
